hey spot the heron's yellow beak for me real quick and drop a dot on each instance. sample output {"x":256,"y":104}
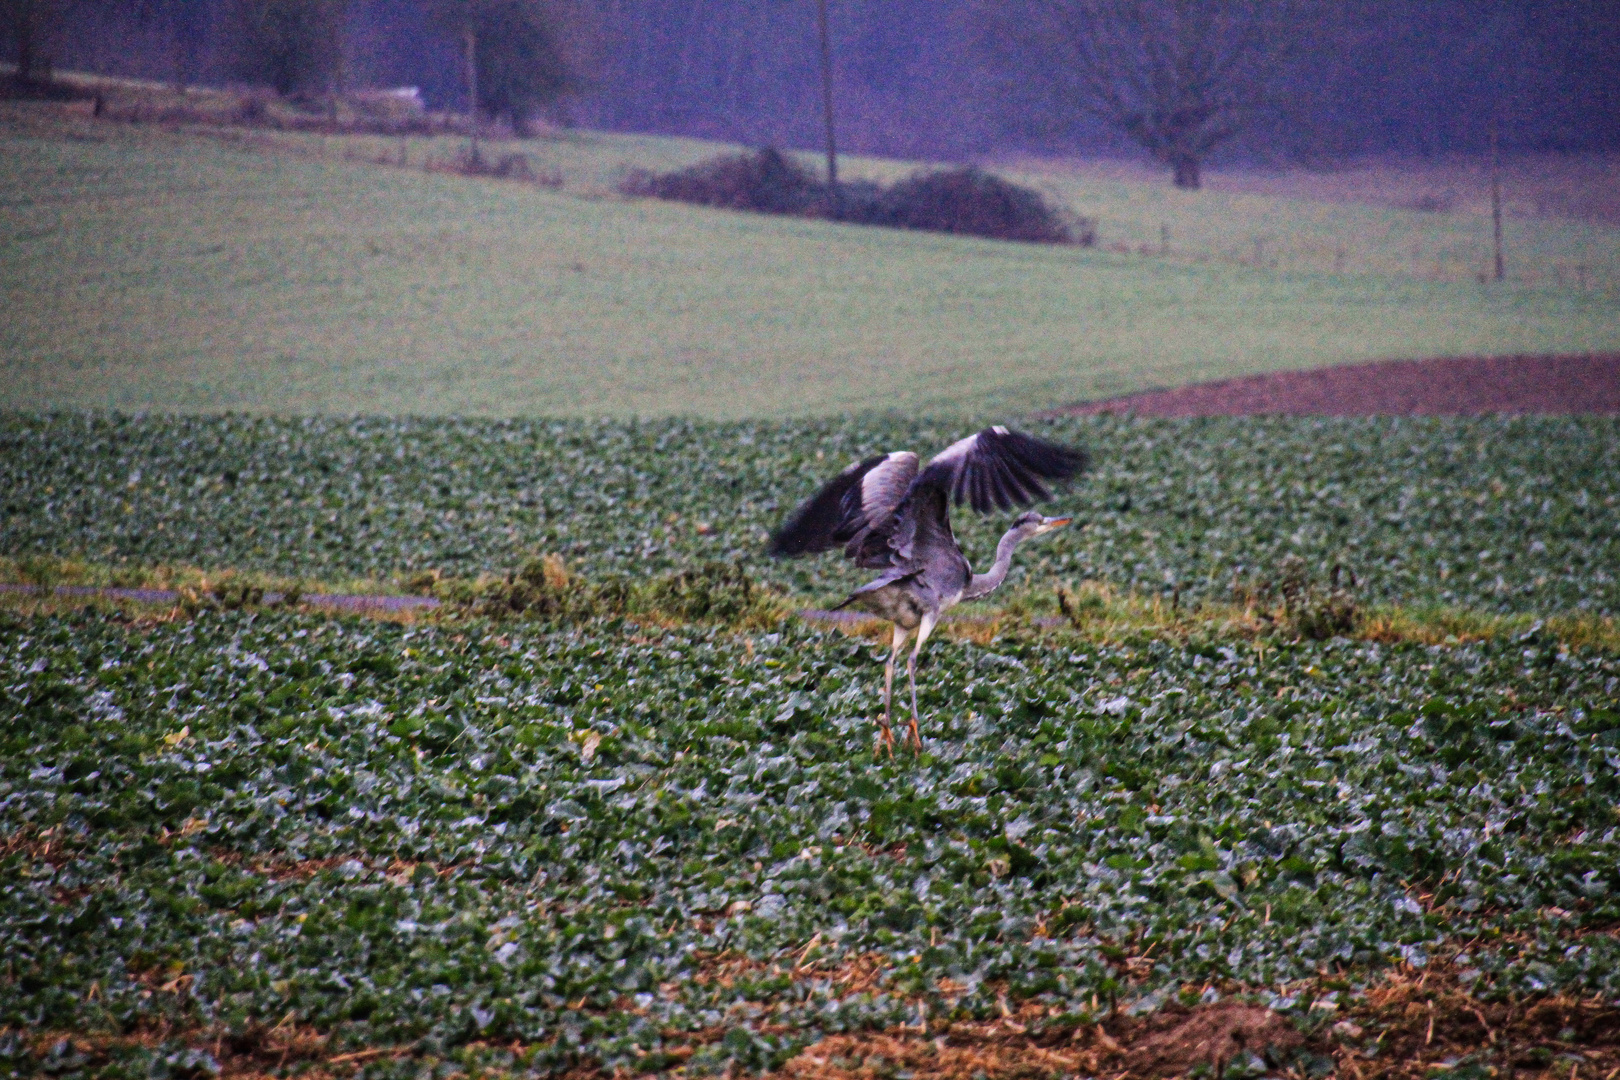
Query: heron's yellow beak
{"x":1048,"y":524}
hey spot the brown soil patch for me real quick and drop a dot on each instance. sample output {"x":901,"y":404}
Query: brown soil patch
{"x":1412,"y":1024}
{"x":1457,"y":386}
{"x":256,"y":1052}
{"x":878,"y":1056}
{"x":1420,"y":1020}
{"x":848,"y":975}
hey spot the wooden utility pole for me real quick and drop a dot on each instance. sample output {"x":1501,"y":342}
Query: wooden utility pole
{"x":1496,"y":204}
{"x":25,"y":29}
{"x":827,"y":100}
{"x":472,"y":92}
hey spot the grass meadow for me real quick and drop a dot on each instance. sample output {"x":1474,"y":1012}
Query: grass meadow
{"x":206,"y":269}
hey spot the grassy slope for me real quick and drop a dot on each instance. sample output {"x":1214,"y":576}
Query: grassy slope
{"x":1348,"y":221}
{"x":153,"y":271}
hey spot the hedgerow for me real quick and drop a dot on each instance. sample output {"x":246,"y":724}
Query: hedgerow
{"x":965,"y":200}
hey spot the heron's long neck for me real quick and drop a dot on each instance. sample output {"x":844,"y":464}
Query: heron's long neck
{"x":988,"y":581}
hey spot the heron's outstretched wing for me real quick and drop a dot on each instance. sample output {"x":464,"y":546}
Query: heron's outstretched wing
{"x":883,"y":508}
{"x":918,"y":534}
{"x":994,"y":468}
{"x":848,"y":507}
{"x":1000,"y":468}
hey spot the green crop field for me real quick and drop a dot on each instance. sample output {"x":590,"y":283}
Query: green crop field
{"x":542,"y":851}
{"x":221,"y":270}
{"x":261,"y":840}
{"x":1507,"y":515}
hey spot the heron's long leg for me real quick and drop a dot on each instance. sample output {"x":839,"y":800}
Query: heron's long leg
{"x":900,"y":635}
{"x":923,"y":630}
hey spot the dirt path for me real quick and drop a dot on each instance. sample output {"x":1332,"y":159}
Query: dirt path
{"x":1453,"y":386}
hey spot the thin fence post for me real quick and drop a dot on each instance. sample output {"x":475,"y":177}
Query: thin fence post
{"x":472,"y":92}
{"x":1496,"y":204}
{"x":827,"y":101}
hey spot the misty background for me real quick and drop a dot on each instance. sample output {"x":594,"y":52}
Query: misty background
{"x":942,"y":79}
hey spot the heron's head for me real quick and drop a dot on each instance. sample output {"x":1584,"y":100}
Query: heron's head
{"x":1033,"y":524}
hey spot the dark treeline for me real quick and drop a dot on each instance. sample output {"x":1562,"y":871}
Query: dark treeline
{"x":952,"y":78}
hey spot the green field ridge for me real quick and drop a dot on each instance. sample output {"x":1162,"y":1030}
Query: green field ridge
{"x":708,"y":595}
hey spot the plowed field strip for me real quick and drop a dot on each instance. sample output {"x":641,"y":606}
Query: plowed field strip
{"x":1456,"y":386}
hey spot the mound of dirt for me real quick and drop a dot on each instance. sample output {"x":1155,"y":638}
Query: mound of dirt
{"x":1173,"y":1042}
{"x":1177,"y":1041}
{"x":1442,"y":387}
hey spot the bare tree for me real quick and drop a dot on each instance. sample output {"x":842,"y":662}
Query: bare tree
{"x":1178,"y":77}
{"x":825,"y":41}
{"x":516,"y":56}
{"x":290,"y":44}
{"x":28,"y":22}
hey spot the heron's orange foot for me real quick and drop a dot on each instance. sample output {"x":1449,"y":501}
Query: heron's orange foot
{"x":887,"y":742}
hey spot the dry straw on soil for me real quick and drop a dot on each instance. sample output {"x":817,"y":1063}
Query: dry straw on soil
{"x":1414,"y":1024}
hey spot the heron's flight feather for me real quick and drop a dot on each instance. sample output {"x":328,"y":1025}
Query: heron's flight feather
{"x":999,"y":468}
{"x":814,"y":525}
{"x":880,"y":494}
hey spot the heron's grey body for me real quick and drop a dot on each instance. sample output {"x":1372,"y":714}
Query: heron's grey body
{"x":891,"y":516}
{"x":906,"y":602}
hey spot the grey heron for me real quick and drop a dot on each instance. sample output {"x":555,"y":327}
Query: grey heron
{"x":894,"y":517}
